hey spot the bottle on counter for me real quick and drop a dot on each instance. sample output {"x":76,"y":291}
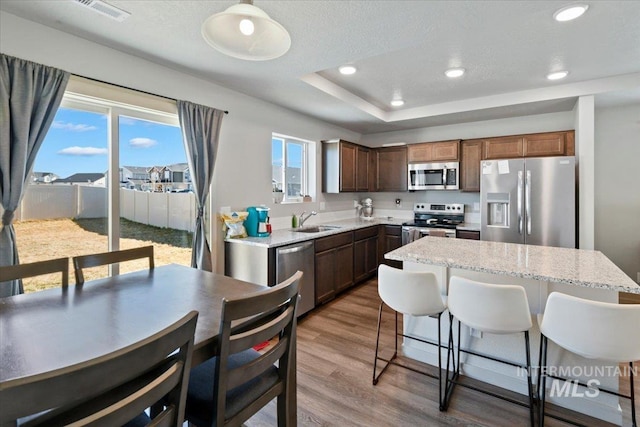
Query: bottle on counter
{"x":294,"y":221}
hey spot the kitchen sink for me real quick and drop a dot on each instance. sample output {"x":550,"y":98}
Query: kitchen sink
{"x":315,"y":228}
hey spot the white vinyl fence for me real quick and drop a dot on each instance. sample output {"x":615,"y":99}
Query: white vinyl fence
{"x":167,"y":210}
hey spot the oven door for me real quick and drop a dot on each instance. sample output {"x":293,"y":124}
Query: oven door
{"x":449,"y":233}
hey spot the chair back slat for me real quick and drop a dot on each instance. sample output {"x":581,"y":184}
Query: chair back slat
{"x":261,"y":333}
{"x":106,"y":258}
{"x":138,"y":376}
{"x":38,"y":268}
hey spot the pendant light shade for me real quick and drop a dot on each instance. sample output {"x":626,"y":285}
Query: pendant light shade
{"x":245,"y":31}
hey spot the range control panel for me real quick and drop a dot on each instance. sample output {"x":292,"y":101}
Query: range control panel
{"x":441,"y":208}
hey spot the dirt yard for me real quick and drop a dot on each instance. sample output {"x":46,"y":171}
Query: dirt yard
{"x":47,"y":239}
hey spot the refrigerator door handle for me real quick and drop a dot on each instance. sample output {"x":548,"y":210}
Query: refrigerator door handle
{"x":527,"y":201}
{"x":519,"y":202}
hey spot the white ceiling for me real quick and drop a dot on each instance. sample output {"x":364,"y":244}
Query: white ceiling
{"x":399,"y":47}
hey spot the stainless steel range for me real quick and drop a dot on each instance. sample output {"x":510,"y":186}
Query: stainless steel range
{"x":433,"y":219}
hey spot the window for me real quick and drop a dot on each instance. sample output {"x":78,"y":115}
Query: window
{"x":290,"y":166}
{"x":109,"y":175}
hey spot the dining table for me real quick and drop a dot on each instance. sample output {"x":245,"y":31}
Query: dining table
{"x":59,"y":327}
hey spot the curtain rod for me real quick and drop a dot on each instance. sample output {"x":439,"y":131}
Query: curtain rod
{"x":128,"y":88}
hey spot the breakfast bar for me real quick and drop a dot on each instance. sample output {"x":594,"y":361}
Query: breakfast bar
{"x":540,"y":270}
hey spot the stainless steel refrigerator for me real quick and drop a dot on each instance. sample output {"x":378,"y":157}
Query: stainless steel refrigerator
{"x":529,"y":200}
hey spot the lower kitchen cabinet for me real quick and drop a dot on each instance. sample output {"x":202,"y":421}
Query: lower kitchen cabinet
{"x":334,"y":265}
{"x":390,"y":239}
{"x":365,"y":253}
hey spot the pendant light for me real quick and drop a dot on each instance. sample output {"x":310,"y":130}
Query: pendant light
{"x":245,"y":31}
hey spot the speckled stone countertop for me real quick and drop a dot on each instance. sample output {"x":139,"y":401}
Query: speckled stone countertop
{"x":288,"y":236}
{"x":561,"y":265}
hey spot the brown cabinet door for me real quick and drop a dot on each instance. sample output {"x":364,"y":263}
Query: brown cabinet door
{"x":325,"y":276}
{"x":445,"y":151}
{"x":420,"y":152}
{"x":503,"y":148}
{"x":391,"y":169}
{"x":359,"y":260}
{"x":365,"y":258}
{"x":545,"y":144}
{"x":348,"y":155}
{"x":470,"y":165}
{"x":362,"y":169}
{"x":392,"y":240}
{"x":343,"y":267}
{"x":433,"y":151}
{"x":371,"y":256}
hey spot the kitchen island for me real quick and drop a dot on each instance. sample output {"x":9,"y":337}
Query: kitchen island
{"x":540,"y":270}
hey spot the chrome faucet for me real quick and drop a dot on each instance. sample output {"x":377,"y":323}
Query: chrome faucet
{"x":303,"y":218}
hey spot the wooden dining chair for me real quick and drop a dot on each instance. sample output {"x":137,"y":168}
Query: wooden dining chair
{"x":38,"y":268}
{"x":229,"y":388}
{"x":110,"y":390}
{"x":105,"y":258}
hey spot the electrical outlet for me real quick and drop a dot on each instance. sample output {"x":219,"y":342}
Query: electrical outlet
{"x":355,"y":203}
{"x":638,"y":277}
{"x":323,"y":206}
{"x":476,"y":207}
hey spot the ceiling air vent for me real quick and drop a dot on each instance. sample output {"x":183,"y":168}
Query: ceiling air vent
{"x":105,"y":9}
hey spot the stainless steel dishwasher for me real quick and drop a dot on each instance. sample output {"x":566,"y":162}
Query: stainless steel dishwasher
{"x":299,"y":256}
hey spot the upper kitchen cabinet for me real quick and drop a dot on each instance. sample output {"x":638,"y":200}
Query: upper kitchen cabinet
{"x":433,"y":151}
{"x":471,"y":155}
{"x":345,"y":167}
{"x":506,"y":147}
{"x":390,"y":169}
{"x":532,"y":145}
{"x":549,"y":144}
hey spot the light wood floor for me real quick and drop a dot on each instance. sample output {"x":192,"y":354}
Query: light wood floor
{"x":336,"y":345}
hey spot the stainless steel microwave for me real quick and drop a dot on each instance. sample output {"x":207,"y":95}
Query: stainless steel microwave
{"x":434,"y":176}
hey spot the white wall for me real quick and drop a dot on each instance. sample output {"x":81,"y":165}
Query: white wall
{"x":242,"y":174}
{"x":585,"y":161}
{"x":617,"y":186}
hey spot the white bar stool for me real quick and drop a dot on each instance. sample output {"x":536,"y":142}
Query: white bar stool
{"x":488,"y":308}
{"x":416,"y":294}
{"x":591,"y":329}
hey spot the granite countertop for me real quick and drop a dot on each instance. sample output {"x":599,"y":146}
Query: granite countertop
{"x":562,"y":265}
{"x":288,"y":236}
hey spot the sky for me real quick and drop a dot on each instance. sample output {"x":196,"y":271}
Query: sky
{"x":77,"y":143}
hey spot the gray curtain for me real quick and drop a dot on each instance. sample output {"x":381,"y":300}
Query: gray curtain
{"x":30,"y":95}
{"x":200,"y":131}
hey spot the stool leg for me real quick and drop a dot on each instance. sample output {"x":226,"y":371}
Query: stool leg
{"x":633,"y":396}
{"x":543,"y":390}
{"x":529,"y":383}
{"x":449,"y":357}
{"x":440,"y":399}
{"x":375,"y":360}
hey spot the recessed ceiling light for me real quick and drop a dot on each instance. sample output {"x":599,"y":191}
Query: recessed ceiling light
{"x":454,"y":72}
{"x":557,"y":75}
{"x":347,"y":70}
{"x":397,"y":103}
{"x":571,"y":12}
